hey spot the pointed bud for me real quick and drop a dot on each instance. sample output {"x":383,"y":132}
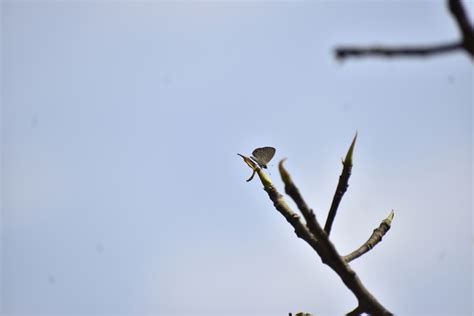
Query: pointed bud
{"x":348,"y":159}
{"x":285,"y":176}
{"x":390,"y":217}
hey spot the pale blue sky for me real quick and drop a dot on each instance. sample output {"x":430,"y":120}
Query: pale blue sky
{"x":122,"y":191}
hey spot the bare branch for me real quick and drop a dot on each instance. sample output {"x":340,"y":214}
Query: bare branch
{"x":294,"y":219}
{"x":317,"y":237}
{"x":329,"y":256}
{"x":294,"y":193}
{"x":374,"y":239}
{"x":466,"y":42}
{"x":386,"y":51}
{"x":341,"y":187}
{"x":467,"y":32}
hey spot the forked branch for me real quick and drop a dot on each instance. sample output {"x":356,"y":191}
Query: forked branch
{"x":316,"y":236}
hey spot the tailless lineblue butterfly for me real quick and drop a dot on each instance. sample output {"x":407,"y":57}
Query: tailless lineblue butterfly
{"x":263,"y":155}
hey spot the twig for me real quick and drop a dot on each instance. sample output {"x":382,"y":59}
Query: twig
{"x":385,"y":51}
{"x":374,"y":239}
{"x":294,"y":219}
{"x":294,"y":193}
{"x":341,"y":187}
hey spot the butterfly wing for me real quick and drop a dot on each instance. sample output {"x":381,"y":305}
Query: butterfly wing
{"x":263,"y":155}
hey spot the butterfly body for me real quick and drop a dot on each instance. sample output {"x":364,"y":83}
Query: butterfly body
{"x":263,"y":155}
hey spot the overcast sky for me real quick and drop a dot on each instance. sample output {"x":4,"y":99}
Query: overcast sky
{"x":122,"y":192}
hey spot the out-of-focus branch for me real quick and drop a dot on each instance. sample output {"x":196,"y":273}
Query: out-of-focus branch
{"x":386,"y":51}
{"x":341,"y":187}
{"x":466,"y":42}
{"x":374,"y":239}
{"x":465,"y":26}
{"x":356,"y":312}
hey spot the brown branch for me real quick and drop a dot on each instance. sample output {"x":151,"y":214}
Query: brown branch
{"x":341,"y":187}
{"x":294,"y":219}
{"x":294,"y":193}
{"x":319,"y":241}
{"x":466,"y":42}
{"x":385,"y":51}
{"x":329,"y":256}
{"x":374,"y":239}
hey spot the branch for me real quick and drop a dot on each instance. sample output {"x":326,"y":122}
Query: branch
{"x":294,"y":193}
{"x":281,"y":206}
{"x":341,"y":187}
{"x":385,"y":51}
{"x":319,"y":241}
{"x":328,"y":253}
{"x":466,"y":42}
{"x":294,"y":219}
{"x":467,"y":32}
{"x":374,"y":239}
{"x":356,"y":312}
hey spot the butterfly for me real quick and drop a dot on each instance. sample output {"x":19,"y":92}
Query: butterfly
{"x":263,"y":155}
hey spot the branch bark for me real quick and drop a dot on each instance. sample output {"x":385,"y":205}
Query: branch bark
{"x":294,"y":193}
{"x":329,"y":256}
{"x":316,"y":237}
{"x":374,"y":239}
{"x":400,"y":51}
{"x":342,"y":186}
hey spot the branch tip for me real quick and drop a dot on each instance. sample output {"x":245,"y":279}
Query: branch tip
{"x":264,"y":178}
{"x":285,"y":176}
{"x":348,"y":159}
{"x":373,"y":240}
{"x":390,"y":217}
{"x":341,"y":186}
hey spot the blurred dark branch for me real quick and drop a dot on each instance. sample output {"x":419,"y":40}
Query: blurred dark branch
{"x":374,"y":239}
{"x":465,"y":26}
{"x":466,"y":42}
{"x":385,"y":51}
{"x":356,"y":312}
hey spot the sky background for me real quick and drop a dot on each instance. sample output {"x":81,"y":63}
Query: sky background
{"x":122,"y":193}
